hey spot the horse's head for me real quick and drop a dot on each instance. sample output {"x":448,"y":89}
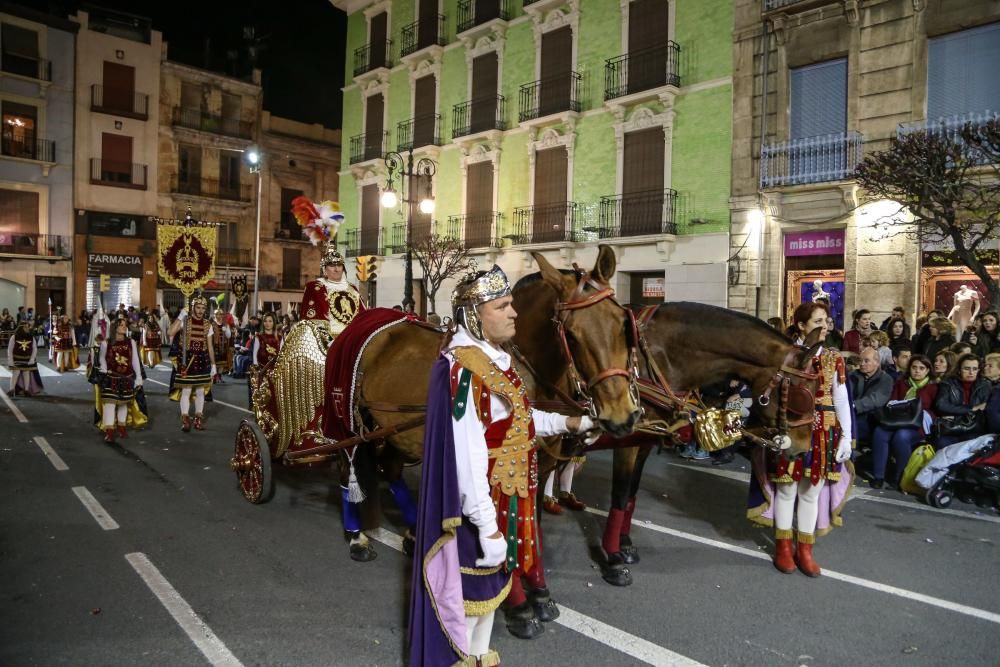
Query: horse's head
{"x":789,"y":400}
{"x":598,"y":338}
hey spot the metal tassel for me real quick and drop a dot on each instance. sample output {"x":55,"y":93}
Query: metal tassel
{"x":354,"y":492}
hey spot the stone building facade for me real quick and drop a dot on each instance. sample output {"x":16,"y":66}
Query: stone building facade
{"x":842,"y":79}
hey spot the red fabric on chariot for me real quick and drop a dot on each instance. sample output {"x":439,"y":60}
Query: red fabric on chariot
{"x":341,"y":368}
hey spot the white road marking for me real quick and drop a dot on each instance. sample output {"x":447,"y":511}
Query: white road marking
{"x":13,"y":408}
{"x":214,"y":400}
{"x":100,"y":515}
{"x":626,"y":643}
{"x":830,"y":574}
{"x":207,"y":642}
{"x":54,"y":458}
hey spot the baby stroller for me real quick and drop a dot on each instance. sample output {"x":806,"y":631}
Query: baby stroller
{"x":969,"y":471}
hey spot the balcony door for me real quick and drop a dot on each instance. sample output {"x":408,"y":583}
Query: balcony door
{"x":369,"y":220}
{"x":291,"y":268}
{"x":374,"y":127}
{"x":486,"y":10}
{"x":289,"y":225}
{"x":424,"y":109}
{"x":484,"y":92}
{"x":20,"y":51}
{"x":116,"y":158}
{"x":20,"y":122}
{"x":428,"y":28}
{"x":642,"y":183}
{"x":479,"y":205}
{"x":549,"y":217}
{"x":229,"y":175}
{"x":378,"y":34}
{"x":119,"y":87}
{"x":647,"y":49}
{"x":818,"y":118}
{"x":189,"y":169}
{"x":557,"y":61}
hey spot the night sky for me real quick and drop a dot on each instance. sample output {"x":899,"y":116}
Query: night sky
{"x":299,"y":43}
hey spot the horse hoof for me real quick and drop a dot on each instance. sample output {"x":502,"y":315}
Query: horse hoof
{"x":630,"y":555}
{"x":525,"y":628}
{"x":362,"y":553}
{"x":409,"y":546}
{"x":616,"y":573}
{"x":545,"y":607}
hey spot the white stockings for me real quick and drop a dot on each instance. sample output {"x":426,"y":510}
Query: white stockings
{"x":808,"y":506}
{"x":115,"y":414}
{"x":199,"y":400}
{"x":478,"y":630}
{"x":565,"y":480}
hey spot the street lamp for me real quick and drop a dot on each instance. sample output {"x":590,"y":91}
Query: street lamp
{"x":254,"y":160}
{"x":426,"y":167}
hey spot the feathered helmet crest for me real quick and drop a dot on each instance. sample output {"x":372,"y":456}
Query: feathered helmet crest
{"x":320,"y":221}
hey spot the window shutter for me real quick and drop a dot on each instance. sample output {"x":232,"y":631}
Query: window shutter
{"x":484,"y":91}
{"x":18,"y":41}
{"x":549,"y":217}
{"x":479,"y":203}
{"x":291,"y":267}
{"x":369,"y":219}
{"x":424,"y":108}
{"x":642,"y":182}
{"x":647,"y":37}
{"x":374,"y":108}
{"x":819,"y":99}
{"x":962,"y":72}
{"x":557,"y":61}
{"x":379,"y":33}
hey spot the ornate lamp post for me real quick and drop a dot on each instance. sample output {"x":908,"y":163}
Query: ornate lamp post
{"x":253,"y":158}
{"x":396,"y":165}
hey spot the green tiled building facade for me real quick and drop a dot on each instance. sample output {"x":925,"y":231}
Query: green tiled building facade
{"x":555,"y":125}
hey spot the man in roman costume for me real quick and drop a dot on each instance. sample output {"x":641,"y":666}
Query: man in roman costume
{"x":64,"y":342}
{"x":194,"y":361}
{"x":222,"y":342}
{"x":121,"y":376}
{"x":21,"y":353}
{"x":330,"y":298}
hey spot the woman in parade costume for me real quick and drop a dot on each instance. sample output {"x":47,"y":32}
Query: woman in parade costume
{"x":21,"y":353}
{"x":138,"y":411}
{"x":152,"y":341}
{"x":266,"y":345}
{"x":222,"y":336}
{"x":64,"y":342}
{"x":783,"y":490}
{"x":121,"y":376}
{"x":194,"y":362}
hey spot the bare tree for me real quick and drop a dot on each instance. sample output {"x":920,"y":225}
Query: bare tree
{"x":950,"y":182}
{"x":441,"y":258}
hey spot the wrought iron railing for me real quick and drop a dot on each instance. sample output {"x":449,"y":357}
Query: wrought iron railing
{"x":830,"y":157}
{"x":372,"y":56}
{"x":351,"y":243}
{"x":33,"y":68}
{"x":41,"y":245}
{"x":642,"y":70}
{"x":419,"y":131}
{"x":477,"y":12}
{"x":636,"y":214}
{"x":369,"y":146}
{"x":545,"y":223}
{"x":118,"y":174}
{"x":233,"y":257}
{"x":135,"y":105}
{"x":369,"y":241}
{"x":477,"y":230}
{"x":196,"y":119}
{"x":479,"y":115}
{"x":27,"y":147}
{"x":396,"y":241}
{"x":421,"y":34}
{"x":950,"y":127}
{"x":548,"y":96}
{"x":289,"y":229}
{"x":213,"y":188}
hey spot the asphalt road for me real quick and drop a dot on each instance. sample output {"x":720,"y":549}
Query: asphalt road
{"x":184,"y":571}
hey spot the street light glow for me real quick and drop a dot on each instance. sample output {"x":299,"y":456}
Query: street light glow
{"x":389,"y":199}
{"x":253,"y":157}
{"x":427,"y":206}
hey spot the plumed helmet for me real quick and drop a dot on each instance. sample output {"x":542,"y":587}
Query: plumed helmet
{"x":473,"y":291}
{"x":330,"y":256}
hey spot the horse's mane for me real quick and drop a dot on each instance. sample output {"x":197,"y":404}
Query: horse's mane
{"x":710,"y":316}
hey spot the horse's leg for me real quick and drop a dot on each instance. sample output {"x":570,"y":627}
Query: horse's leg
{"x":392,"y":467}
{"x":629,"y":553}
{"x":361,"y":549}
{"x":624,"y":459}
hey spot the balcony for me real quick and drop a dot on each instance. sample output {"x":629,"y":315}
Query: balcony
{"x":477,"y":230}
{"x":636,"y":214}
{"x":479,"y":115}
{"x":640,"y":71}
{"x":119,"y":103}
{"x":822,"y":159}
{"x":371,"y":57}
{"x":36,"y":245}
{"x":27,"y":148}
{"x":549,"y":96}
{"x":547,"y":223}
{"x":196,"y":119}
{"x":793,"y":5}
{"x":422,"y":34}
{"x":419,"y":131}
{"x":950,"y":127}
{"x":38,"y":69}
{"x":281,"y":283}
{"x":288,"y":229}
{"x":118,"y":174}
{"x":369,"y":146}
{"x":473,"y":13}
{"x":211,"y":188}
{"x":396,"y":241}
{"x":233,"y":257}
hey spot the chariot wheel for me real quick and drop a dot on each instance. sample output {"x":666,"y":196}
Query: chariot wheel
{"x":252,"y":463}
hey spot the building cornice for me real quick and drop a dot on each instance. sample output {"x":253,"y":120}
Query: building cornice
{"x":189,"y":71}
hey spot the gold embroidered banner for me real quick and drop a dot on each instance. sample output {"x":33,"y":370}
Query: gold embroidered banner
{"x":187,"y":254}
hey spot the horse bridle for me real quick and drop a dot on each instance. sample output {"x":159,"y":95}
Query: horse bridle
{"x":578,"y":300}
{"x":781,"y":381}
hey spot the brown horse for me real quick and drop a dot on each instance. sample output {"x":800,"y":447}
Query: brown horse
{"x":396,"y":366}
{"x":693,"y":345}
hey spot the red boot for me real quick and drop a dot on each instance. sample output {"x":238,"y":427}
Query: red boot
{"x":109,"y":435}
{"x":804,"y":557}
{"x":121,"y":432}
{"x":199,"y":422}
{"x":551,"y":505}
{"x":185,"y":423}
{"x":783,"y":559}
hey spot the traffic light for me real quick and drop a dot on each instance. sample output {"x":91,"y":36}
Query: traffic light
{"x":367,"y":268}
{"x":372,"y":267}
{"x":105,"y":283}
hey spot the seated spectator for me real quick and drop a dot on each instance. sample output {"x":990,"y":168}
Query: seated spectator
{"x":984,"y":341}
{"x":862,"y":327}
{"x":901,"y":441}
{"x":923,"y":335}
{"x":898,"y":315}
{"x":879,"y":341}
{"x":901,"y":362}
{"x":941,"y":336}
{"x":834,"y":338}
{"x":972,"y":329}
{"x":899,"y":333}
{"x":870,"y":387}
{"x":943,"y":365}
{"x":991,"y":368}
{"x":961,"y":348}
{"x":961,"y":394}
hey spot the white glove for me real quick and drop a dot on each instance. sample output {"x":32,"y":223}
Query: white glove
{"x":214,"y":372}
{"x":586,"y":424}
{"x":494,"y":551}
{"x":183,"y":314}
{"x":844,"y":449}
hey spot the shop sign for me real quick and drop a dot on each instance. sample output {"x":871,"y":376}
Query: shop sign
{"x":653,"y":288}
{"x":826,"y":242}
{"x":115,"y":265}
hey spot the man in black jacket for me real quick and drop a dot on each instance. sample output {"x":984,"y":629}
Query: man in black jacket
{"x":870,"y":387}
